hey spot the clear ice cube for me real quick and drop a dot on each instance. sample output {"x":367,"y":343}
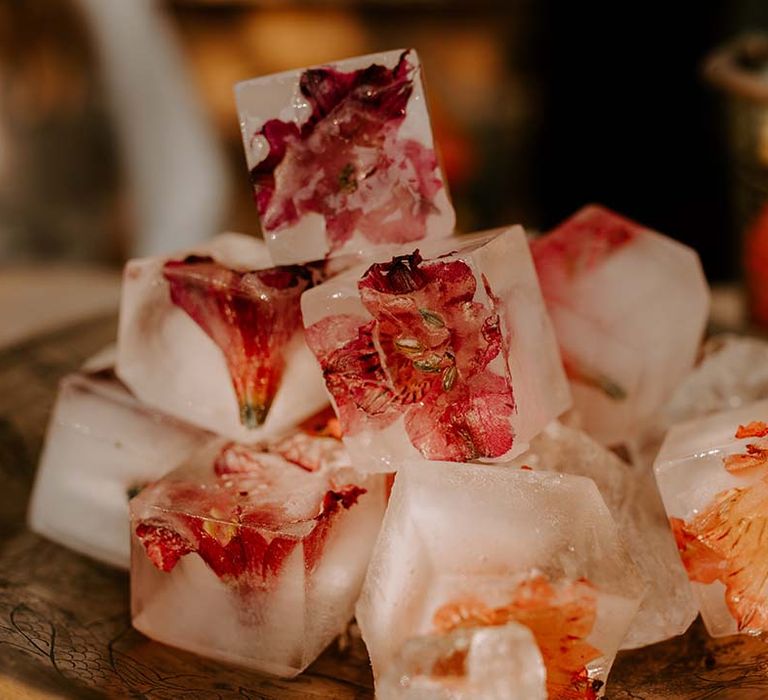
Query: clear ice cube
{"x":713,"y":476}
{"x":101,"y":447}
{"x":667,"y":608}
{"x":476,"y":663}
{"x":214,"y":337}
{"x":732,"y":371}
{"x":629,"y":307}
{"x":479,"y":545}
{"x":341,"y":157}
{"x":444,"y":352}
{"x":255,"y":554}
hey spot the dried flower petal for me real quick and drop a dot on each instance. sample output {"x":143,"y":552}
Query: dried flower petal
{"x":755,"y":456}
{"x":346,"y":162}
{"x":251,"y":316}
{"x":237,"y":543}
{"x":728,"y":542}
{"x":703,"y":564}
{"x":425,"y":354}
{"x":560,"y":619}
{"x":756,"y":428}
{"x":164,"y":546}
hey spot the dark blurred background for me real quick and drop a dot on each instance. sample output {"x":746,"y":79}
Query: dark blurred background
{"x":538,"y":107}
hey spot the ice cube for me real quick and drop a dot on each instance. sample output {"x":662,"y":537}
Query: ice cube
{"x":255,"y":554}
{"x":214,"y":337}
{"x":629,"y":307}
{"x":732,"y":371}
{"x":341,"y":157}
{"x":713,"y":476}
{"x":102,"y":446}
{"x":667,"y":608}
{"x":483,"y":545}
{"x":445,"y":352}
{"x":478,"y":663}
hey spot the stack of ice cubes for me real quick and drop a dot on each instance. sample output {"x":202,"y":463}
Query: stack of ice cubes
{"x":240,"y":446}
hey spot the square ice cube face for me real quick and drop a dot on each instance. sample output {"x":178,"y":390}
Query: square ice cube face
{"x":713,"y":479}
{"x":214,"y":337}
{"x":246,"y":556}
{"x":478,"y":545}
{"x":102,"y":446}
{"x":341,"y":157}
{"x":444,"y":352}
{"x":629,"y":307}
{"x":492,"y":663}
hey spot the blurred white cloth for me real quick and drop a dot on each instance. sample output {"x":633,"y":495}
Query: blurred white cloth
{"x":40,"y":299}
{"x":174,"y":164}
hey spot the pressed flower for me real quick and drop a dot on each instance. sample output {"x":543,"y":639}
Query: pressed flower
{"x":728,"y":539}
{"x":756,"y":429}
{"x":424,"y":354}
{"x":235,"y":541}
{"x":727,"y":543}
{"x":254,"y":506}
{"x":347,"y":162}
{"x":251,"y":316}
{"x":560,"y":617}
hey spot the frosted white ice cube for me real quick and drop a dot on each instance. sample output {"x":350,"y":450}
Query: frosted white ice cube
{"x":732,"y":371}
{"x":667,"y":608}
{"x":101,"y":447}
{"x":341,"y":157}
{"x":258,"y":377}
{"x":712,"y":473}
{"x":629,"y":307}
{"x":444,"y":352}
{"x":254,"y":555}
{"x":479,"y":545}
{"x":477,"y":663}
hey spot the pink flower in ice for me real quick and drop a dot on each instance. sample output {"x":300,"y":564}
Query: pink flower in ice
{"x":346,"y":162}
{"x":425,"y":354}
{"x":249,"y":512}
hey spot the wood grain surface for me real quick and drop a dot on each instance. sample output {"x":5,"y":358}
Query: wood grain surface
{"x":65,"y":629}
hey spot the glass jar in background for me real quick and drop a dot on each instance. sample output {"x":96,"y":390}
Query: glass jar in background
{"x":740,"y":69}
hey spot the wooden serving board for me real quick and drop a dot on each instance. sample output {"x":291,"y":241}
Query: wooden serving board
{"x":65,"y":629}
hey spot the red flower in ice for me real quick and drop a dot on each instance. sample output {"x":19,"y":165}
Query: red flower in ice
{"x":560,"y":619}
{"x":425,"y":354}
{"x":346,"y":161}
{"x":251,"y":316}
{"x":234,"y":526}
{"x":579,"y":244}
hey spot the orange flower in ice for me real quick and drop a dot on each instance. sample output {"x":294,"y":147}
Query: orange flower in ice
{"x":727,"y":541}
{"x":560,"y":619}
